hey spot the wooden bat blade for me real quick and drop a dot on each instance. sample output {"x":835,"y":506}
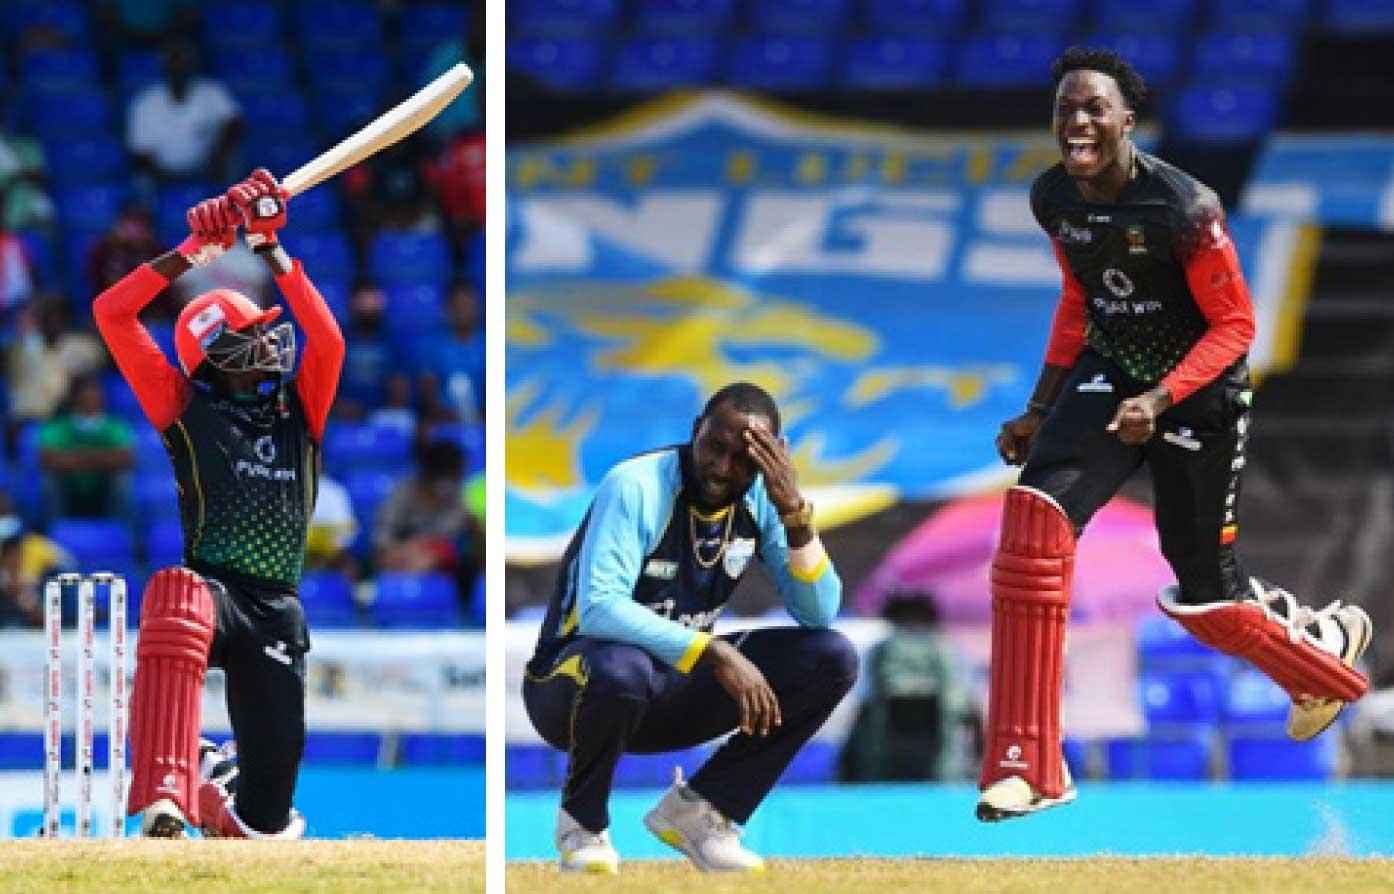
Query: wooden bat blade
{"x":402,"y":120}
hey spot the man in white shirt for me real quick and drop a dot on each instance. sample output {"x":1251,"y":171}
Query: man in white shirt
{"x":186,"y":127}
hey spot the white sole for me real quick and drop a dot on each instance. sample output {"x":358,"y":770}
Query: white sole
{"x":664,"y":832}
{"x":991,"y":813}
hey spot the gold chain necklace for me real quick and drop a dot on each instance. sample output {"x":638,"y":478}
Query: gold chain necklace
{"x":696,"y":545}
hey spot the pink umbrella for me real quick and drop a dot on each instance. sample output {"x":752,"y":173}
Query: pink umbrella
{"x":1118,"y":571}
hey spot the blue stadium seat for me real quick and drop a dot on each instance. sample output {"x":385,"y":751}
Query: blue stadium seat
{"x":781,"y":64}
{"x":1156,"y":55}
{"x":276,"y":110}
{"x":334,"y":291}
{"x":120,"y":399}
{"x":263,"y":64}
{"x":94,"y":541}
{"x":1289,"y":15}
{"x":651,"y":64}
{"x":1234,"y":57}
{"x":1007,"y":60}
{"x":90,"y":208}
{"x":938,"y":18}
{"x":1170,"y":758}
{"x":416,"y":600}
{"x":454,"y":749}
{"x":1253,"y":698}
{"x":1188,"y":698}
{"x":151,"y":455}
{"x":341,"y":110}
{"x":21,"y":750}
{"x":656,"y":770}
{"x":421,"y":25}
{"x":349,"y":68}
{"x":1164,"y":644}
{"x":327,"y":598}
{"x":469,"y":438}
{"x":1277,"y":757}
{"x":136,"y":69}
{"x":477,"y":614}
{"x":1156,"y":15}
{"x":409,"y":257}
{"x":360,"y":445}
{"x":1076,"y":754}
{"x":415,"y":307}
{"x":83,"y":161}
{"x":155,"y":495}
{"x":1222,"y":115}
{"x":81,"y":113}
{"x":1359,"y":16}
{"x":283,"y":155}
{"x":360,"y":748}
{"x":325,"y":255}
{"x":172,"y":204}
{"x":60,"y":68}
{"x":163,"y":334}
{"x":324,"y":22}
{"x":813,"y":764}
{"x":892,"y":62}
{"x":164,"y":543}
{"x":690,"y":18}
{"x":41,"y":254}
{"x":1019,"y":15}
{"x":530,"y":19}
{"x":795,"y":17}
{"x":254,"y":23}
{"x":566,"y":65}
{"x":317,"y":210}
{"x":367,"y":489}
{"x":534,"y":766}
{"x":68,"y":19}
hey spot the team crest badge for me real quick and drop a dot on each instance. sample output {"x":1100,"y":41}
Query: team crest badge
{"x":737,"y":557}
{"x":1134,"y":236}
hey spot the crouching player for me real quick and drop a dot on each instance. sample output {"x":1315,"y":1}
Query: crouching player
{"x":625,"y":661}
{"x":244,"y":438}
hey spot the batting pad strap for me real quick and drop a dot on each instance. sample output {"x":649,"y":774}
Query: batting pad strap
{"x":1030,"y":584}
{"x":808,"y":562}
{"x":1246,"y":630}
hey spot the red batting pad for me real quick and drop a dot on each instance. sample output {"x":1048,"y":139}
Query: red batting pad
{"x":1245,"y":630}
{"x":177,"y":620}
{"x":1031,"y":574}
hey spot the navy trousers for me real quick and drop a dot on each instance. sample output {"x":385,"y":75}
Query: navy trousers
{"x":605,"y":698}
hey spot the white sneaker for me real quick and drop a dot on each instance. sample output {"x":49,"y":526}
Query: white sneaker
{"x":1344,"y":631}
{"x":163,"y":819}
{"x":582,"y":850}
{"x":692,"y":825}
{"x":1012,"y":797}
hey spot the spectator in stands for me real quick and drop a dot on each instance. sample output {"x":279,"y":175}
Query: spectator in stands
{"x":456,"y":172}
{"x":917,"y":704}
{"x":16,"y":278}
{"x":144,"y":23}
{"x":332,"y":529}
{"x":87,"y":455}
{"x":44,"y":358}
{"x":398,"y":409}
{"x":450,"y":371}
{"x":129,"y":241}
{"x":26,"y":560}
{"x":368,"y":368}
{"x":24,"y":203}
{"x":390,"y":192}
{"x":423,"y":526}
{"x":184,"y":129}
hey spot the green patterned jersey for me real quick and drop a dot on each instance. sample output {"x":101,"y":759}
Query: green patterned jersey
{"x":247,"y":482}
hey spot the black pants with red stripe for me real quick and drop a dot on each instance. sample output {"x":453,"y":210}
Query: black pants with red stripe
{"x":1196,"y":459}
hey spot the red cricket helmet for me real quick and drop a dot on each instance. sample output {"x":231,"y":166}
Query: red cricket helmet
{"x":217,"y":316}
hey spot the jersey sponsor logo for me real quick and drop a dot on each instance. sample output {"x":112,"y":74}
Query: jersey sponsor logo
{"x":265,"y":449}
{"x":1068,"y":232}
{"x":278,"y":652}
{"x":697,"y":620}
{"x":1100,"y":218}
{"x":169,"y":785}
{"x":205,"y":321}
{"x":1117,"y":282}
{"x":1097,"y":385}
{"x":737,"y":557}
{"x":243,"y":468}
{"x":1182,"y":437}
{"x":1136,"y":308}
{"x":662,"y":569}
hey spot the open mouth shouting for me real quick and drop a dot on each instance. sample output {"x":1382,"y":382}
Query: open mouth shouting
{"x":1081,"y":154}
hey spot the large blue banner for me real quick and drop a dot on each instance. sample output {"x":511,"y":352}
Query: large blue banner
{"x":1336,"y":179}
{"x":889,"y":287}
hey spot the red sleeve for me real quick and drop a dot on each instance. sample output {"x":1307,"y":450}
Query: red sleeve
{"x":1217,"y":283}
{"x":1067,"y":330}
{"x":324,"y":347}
{"x":163,"y":391}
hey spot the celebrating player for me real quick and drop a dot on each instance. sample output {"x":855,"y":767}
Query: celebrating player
{"x":1145,"y":364}
{"x":244,"y":437}
{"x":625,"y":661}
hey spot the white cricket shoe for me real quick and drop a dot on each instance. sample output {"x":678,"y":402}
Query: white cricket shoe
{"x":1012,"y":797}
{"x":163,"y":819}
{"x":1344,"y":631}
{"x":582,"y":850}
{"x":690,"y":824}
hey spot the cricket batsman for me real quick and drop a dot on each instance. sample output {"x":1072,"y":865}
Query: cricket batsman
{"x":244,"y":437}
{"x":626,"y":661}
{"x":1146,"y":363}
